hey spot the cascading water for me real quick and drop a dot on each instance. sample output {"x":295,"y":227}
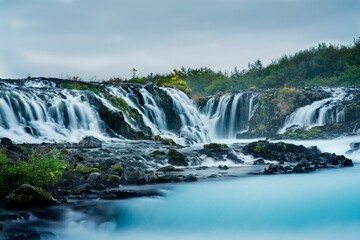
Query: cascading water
{"x":166,"y":111}
{"x":318,"y":113}
{"x":29,"y":114}
{"x":229,"y":114}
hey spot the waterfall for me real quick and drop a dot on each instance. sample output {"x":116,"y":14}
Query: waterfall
{"x":160,"y":108}
{"x":318,"y":113}
{"x":228,"y":115}
{"x":30,"y":114}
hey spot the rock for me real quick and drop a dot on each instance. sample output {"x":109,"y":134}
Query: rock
{"x":347,"y":163}
{"x":303,"y":163}
{"x":113,"y":180}
{"x":190,"y":178}
{"x":223,"y":167}
{"x":94,"y":177}
{"x":28,"y":196}
{"x":259,"y":161}
{"x":134,"y":176}
{"x":166,"y":169}
{"x":81,"y":189}
{"x":88,"y":142}
{"x":6,"y":141}
{"x":215,"y":146}
{"x":274,"y":168}
{"x":202,"y":168}
{"x":165,"y":141}
{"x":176,"y":158}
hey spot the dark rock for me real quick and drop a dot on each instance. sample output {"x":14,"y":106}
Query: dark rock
{"x":166,"y":169}
{"x":27,"y":196}
{"x":347,"y":163}
{"x":202,"y":168}
{"x":88,"y":142}
{"x":6,"y":141}
{"x":81,"y":189}
{"x":190,"y":178}
{"x":259,"y":162}
{"x":274,"y":168}
{"x":215,"y":146}
{"x":176,"y":158}
{"x":221,"y":167}
{"x":134,"y":176}
{"x":14,"y":216}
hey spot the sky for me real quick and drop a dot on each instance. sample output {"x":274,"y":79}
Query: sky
{"x":100,"y":39}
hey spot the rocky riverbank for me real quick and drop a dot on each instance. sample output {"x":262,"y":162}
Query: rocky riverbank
{"x":96,"y":170}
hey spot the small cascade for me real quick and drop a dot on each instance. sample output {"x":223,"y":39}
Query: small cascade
{"x":166,"y":111}
{"x":29,"y":114}
{"x":318,"y":113}
{"x":228,"y":115}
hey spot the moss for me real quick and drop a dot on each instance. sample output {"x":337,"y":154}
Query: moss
{"x":176,"y":158}
{"x":117,"y":168}
{"x":258,"y":148}
{"x":215,"y":146}
{"x":113,"y":179}
{"x":74,"y":85}
{"x":165,"y":141}
{"x":88,"y":168}
{"x":175,"y":82}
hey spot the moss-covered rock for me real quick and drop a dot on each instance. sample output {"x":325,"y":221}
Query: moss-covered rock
{"x":176,"y":158}
{"x":215,"y":146}
{"x":28,"y":196}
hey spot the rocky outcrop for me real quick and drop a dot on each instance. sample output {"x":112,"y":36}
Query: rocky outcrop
{"x":274,"y":106}
{"x":299,"y":159}
{"x":27,"y":196}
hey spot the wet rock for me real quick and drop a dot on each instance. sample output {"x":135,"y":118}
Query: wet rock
{"x":14,"y":216}
{"x":6,"y":141}
{"x":223,"y":167}
{"x":113,"y":180}
{"x":259,"y":162}
{"x":88,"y":142}
{"x":190,"y":178}
{"x":81,"y":189}
{"x":274,"y":168}
{"x":347,"y":163}
{"x":176,"y":158}
{"x":28,"y":196}
{"x":134,"y":176}
{"x":166,"y":169}
{"x":215,"y":146}
{"x":202,"y":168}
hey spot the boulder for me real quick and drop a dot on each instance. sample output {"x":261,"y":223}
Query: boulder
{"x":134,"y":176}
{"x":28,"y":196}
{"x":176,"y":158}
{"x":6,"y":141}
{"x":221,"y":167}
{"x":88,"y":142}
{"x":81,"y":189}
{"x":166,"y":169}
{"x":190,"y":178}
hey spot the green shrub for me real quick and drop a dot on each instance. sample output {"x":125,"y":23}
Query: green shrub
{"x":41,"y":171}
{"x":80,"y":86}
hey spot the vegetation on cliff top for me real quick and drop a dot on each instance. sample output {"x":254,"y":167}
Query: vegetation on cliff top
{"x":324,"y":65}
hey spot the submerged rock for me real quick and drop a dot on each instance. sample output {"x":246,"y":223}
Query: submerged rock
{"x":28,"y":196}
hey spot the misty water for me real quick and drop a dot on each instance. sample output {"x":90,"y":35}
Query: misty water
{"x":320,"y":205}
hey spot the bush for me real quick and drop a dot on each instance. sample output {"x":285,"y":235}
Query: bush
{"x":41,"y":171}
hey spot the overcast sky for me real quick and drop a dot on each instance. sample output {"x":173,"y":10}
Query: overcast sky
{"x":106,"y":38}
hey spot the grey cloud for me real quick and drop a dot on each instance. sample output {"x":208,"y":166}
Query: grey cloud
{"x":106,"y":38}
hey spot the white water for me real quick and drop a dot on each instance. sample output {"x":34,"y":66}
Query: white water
{"x":228,"y":115}
{"x":35,"y":116}
{"x":318,"y":113}
{"x":192,"y":129}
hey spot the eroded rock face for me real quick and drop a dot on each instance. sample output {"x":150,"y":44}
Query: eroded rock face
{"x":28,"y":196}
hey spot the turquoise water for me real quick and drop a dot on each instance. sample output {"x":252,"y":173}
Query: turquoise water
{"x":324,"y":205}
{"x":320,"y":205}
